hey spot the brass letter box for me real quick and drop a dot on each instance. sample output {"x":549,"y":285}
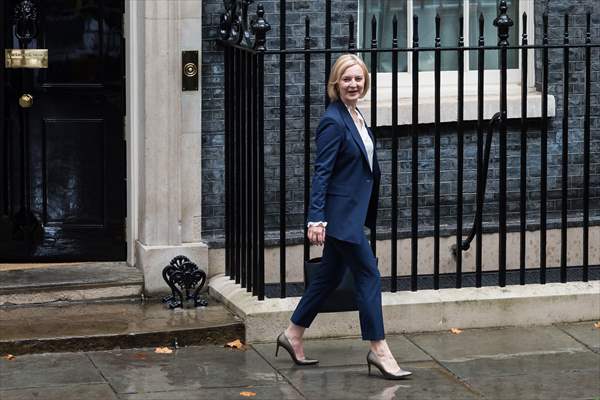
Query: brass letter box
{"x":26,"y":58}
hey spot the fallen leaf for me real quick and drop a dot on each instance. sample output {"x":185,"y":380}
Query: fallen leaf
{"x":139,"y":356}
{"x":456,"y":331}
{"x":236,"y":344}
{"x":597,"y":325}
{"x":163,"y":350}
{"x":247,"y":394}
{"x":9,"y":357}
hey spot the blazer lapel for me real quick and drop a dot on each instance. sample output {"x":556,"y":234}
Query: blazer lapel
{"x":352,"y":127}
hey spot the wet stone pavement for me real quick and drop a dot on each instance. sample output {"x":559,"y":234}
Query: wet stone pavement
{"x":551,"y":362}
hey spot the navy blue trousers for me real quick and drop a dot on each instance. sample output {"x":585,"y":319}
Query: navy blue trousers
{"x":338,"y":254}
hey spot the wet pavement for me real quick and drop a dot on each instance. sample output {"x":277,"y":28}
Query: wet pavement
{"x":105,"y":326}
{"x":552,"y":362}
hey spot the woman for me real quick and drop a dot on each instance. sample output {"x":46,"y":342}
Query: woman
{"x":344,"y":198}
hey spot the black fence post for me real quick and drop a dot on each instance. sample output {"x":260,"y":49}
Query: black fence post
{"x":503,"y":23}
{"x":586,"y":149}
{"x":544,"y":151}
{"x":480,"y":176}
{"x":460,"y":150}
{"x":394,"y":164}
{"x":260,"y":28}
{"x":228,"y":115}
{"x":437,"y":155}
{"x":374,"y":106}
{"x":306,"y":246}
{"x":565,"y":156}
{"x":523,"y":167}
{"x":327,"y":46}
{"x":282,"y":150}
{"x":415,"y":157}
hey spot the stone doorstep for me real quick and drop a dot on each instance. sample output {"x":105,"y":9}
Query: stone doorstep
{"x":70,"y":282}
{"x":424,"y":310}
{"x":105,"y":326}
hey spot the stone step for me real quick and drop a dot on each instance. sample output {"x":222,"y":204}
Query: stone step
{"x":47,"y":283}
{"x":109,"y":325}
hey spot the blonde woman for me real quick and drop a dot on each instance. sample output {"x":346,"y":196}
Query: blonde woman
{"x":344,"y":197}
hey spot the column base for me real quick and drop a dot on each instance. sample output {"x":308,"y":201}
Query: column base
{"x":152,"y":259}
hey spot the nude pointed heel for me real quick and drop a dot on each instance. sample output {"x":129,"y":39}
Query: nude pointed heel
{"x":372,"y":359}
{"x":283,"y":341}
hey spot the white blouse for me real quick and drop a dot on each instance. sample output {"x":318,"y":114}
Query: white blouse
{"x":364,"y":135}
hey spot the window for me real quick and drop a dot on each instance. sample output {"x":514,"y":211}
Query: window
{"x":449,"y":11}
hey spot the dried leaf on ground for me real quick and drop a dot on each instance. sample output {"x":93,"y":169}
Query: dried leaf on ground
{"x":456,"y":331}
{"x":9,"y":357}
{"x":163,"y":350}
{"x":139,"y":356}
{"x":236,"y":344}
{"x":247,"y":394}
{"x":597,"y":325}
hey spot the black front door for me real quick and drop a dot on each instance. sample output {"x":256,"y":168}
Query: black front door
{"x":62,"y":148}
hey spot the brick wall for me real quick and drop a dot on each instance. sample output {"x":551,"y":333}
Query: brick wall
{"x":212,"y":150}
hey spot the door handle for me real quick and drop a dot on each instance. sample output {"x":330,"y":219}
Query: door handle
{"x":26,"y":100}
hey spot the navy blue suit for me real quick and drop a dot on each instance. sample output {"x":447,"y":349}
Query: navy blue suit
{"x":344,"y":193}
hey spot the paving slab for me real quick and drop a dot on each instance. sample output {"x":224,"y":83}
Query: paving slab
{"x":45,"y":370}
{"x":191,"y":368}
{"x":585,"y":332}
{"x":281,"y":391}
{"x":493,"y":342}
{"x":100,"y":326}
{"x":550,"y":364}
{"x":579,"y":385}
{"x":70,"y":392}
{"x":342,"y":352}
{"x":429,"y":382}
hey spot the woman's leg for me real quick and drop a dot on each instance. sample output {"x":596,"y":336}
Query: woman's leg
{"x":367,"y":280}
{"x":324,"y":282}
{"x":368,"y":290}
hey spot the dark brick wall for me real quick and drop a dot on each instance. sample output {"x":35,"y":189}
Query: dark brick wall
{"x":212,"y":128}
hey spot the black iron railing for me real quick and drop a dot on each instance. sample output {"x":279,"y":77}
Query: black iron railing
{"x":244,"y":44}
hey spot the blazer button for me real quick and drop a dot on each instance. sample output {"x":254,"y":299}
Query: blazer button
{"x":368,"y":180}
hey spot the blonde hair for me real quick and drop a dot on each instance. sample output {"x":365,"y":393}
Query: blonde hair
{"x":341,"y":65}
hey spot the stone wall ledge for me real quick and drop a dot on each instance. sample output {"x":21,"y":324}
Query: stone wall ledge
{"x":424,"y":310}
{"x":449,"y":106}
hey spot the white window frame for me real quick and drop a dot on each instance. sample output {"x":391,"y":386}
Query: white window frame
{"x":449,"y":79}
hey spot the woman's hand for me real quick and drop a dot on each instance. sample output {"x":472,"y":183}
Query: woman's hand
{"x":316,"y":235}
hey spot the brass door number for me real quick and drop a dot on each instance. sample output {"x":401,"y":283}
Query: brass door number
{"x":189,"y":73}
{"x":26,"y":58}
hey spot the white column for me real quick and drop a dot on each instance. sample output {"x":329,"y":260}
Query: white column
{"x":169,"y":144}
{"x":191,"y":104}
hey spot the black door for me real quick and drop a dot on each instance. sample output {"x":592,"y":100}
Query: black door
{"x":62,"y":148}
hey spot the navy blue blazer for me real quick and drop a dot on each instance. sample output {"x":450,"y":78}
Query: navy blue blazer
{"x":344,"y":190}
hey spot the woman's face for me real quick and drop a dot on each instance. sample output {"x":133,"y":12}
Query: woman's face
{"x":351,"y":84}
